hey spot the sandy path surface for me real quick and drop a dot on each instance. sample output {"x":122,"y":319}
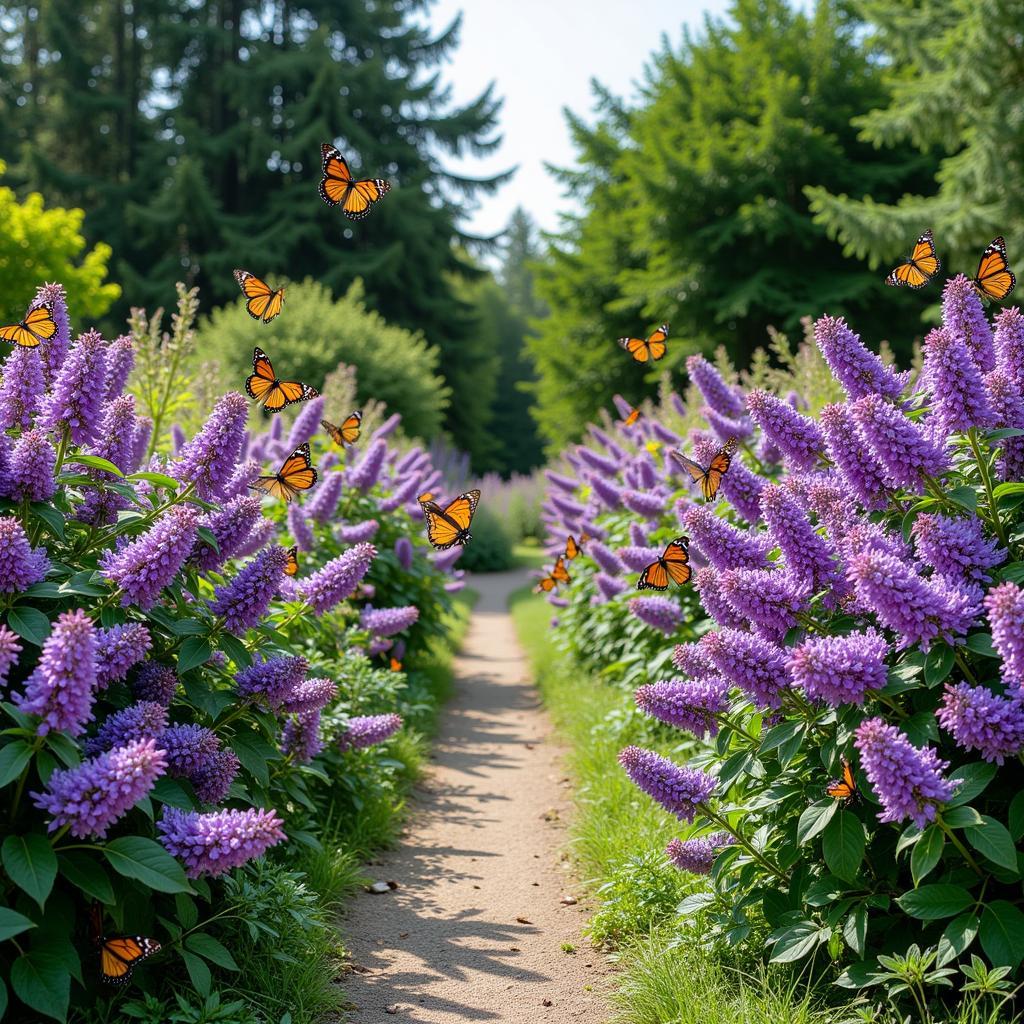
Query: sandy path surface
{"x":475,"y":929}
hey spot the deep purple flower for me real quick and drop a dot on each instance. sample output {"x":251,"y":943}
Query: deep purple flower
{"x":78,"y":391}
{"x":357,"y":533}
{"x":697,"y":855}
{"x":310,"y":695}
{"x":388,"y":621}
{"x":1009,"y":344}
{"x":1005,"y":607}
{"x":958,"y":397}
{"x":10,"y":648}
{"x":601,"y":464}
{"x":55,"y":351}
{"x":212,"y":780}
{"x":1008,"y":404}
{"x":188,"y":748}
{"x":724,"y":546}
{"x":300,"y":737}
{"x":661,"y":613}
{"x":211,"y":844}
{"x":143,"y":567}
{"x":866,"y":536}
{"x":338,"y":579}
{"x":307,"y":423}
{"x":299,"y":528}
{"x":707,"y":581}
{"x":120,"y":361}
{"x":257,"y":538}
{"x":661,"y":433}
{"x":637,"y":558}
{"x":230,"y":525}
{"x":274,"y":679}
{"x":21,"y":565}
{"x":840,"y":669}
{"x":155,"y":682}
{"x":245,"y":599}
{"x":853,"y":364}
{"x":606,"y":491}
{"x":324,"y":502}
{"x":208,"y":460}
{"x":365,"y":473}
{"x":756,"y":665}
{"x":243,"y":474}
{"x":717,"y":393}
{"x":650,"y":505}
{"x":899,"y":445}
{"x":29,"y":475}
{"x":404,"y":552}
{"x":679,"y":790}
{"x":766,"y":597}
{"x":981,"y":720}
{"x":95,"y":794}
{"x":964,"y":318}
{"x":567,"y":508}
{"x":808,"y":556}
{"x":140,"y":721}
{"x":692,"y":660}
{"x":21,"y":392}
{"x":691,"y":704}
{"x":796,"y":435}
{"x":118,"y":649}
{"x":609,"y":586}
{"x":605,"y":558}
{"x":369,"y":730}
{"x":908,"y":782}
{"x":956,"y":548}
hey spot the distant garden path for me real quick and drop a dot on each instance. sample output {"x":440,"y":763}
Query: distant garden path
{"x":481,"y":850}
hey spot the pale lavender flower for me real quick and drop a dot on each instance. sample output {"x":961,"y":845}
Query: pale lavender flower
{"x":10,"y":648}
{"x":273,"y":680}
{"x":798,"y":436}
{"x":78,"y":391}
{"x":155,"y":682}
{"x":956,"y":548}
{"x":767,"y":598}
{"x":707,"y":582}
{"x":981,"y":720}
{"x":606,"y":491}
{"x":609,"y":586}
{"x":404,"y":552}
{"x":726,"y":428}
{"x":717,"y":393}
{"x":29,"y":475}
{"x":697,"y":855}
{"x":55,"y":351}
{"x":964,"y":317}
{"x":1009,"y":344}
{"x":444,"y":560}
{"x":637,"y":558}
{"x":21,"y":565}
{"x":208,"y":460}
{"x":118,"y":649}
{"x":300,"y":738}
{"x":324,"y":502}
{"x":21,"y":392}
{"x":388,"y":621}
{"x":692,"y":660}
{"x":724,"y":546}
{"x":309,"y":695}
{"x":902,"y":448}
{"x":662,"y":613}
{"x":853,"y":364}
{"x":756,"y":665}
{"x":231,"y":525}
{"x":257,"y":538}
{"x":958,"y":397}
{"x":120,"y":361}
{"x":178,"y":438}
{"x":116,"y":435}
{"x":140,"y":721}
{"x":650,"y":505}
{"x":365,"y":473}
{"x":246,"y":599}
{"x":661,"y":433}
{"x":357,"y":533}
{"x":244,"y":474}
{"x":564,"y":483}
{"x":368,"y":730}
{"x":212,"y":844}
{"x":299,"y":528}
{"x":1005,"y":607}
{"x":809,"y":558}
{"x":307,"y":422}
{"x":692,"y":704}
{"x":601,"y":464}
{"x":605,"y":558}
{"x":140,"y":442}
{"x":831,"y":501}
{"x":840,"y":669}
{"x":681,"y":791}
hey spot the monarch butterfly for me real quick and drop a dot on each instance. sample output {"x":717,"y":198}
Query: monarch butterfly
{"x":845,"y":787}
{"x":631,"y":418}
{"x":557,"y":575}
{"x":920,"y":267}
{"x":572,"y":549}
{"x":292,"y":565}
{"x":710,"y":479}
{"x":263,"y":302}
{"x":296,"y":474}
{"x":652,"y":348}
{"x":338,"y":186}
{"x":37,"y":326}
{"x":263,"y":385}
{"x":426,"y":496}
{"x":994,"y":278}
{"x":396,"y":665}
{"x":118,"y":953}
{"x":449,"y":526}
{"x":672,"y":565}
{"x":347,"y":433}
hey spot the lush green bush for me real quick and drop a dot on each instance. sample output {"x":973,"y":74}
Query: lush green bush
{"x":491,"y":549}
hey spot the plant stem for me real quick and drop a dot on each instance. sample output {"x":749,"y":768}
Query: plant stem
{"x":62,"y":450}
{"x":740,"y":841}
{"x":962,"y":662}
{"x":986,"y":479}
{"x":37,"y":745}
{"x":961,"y":849}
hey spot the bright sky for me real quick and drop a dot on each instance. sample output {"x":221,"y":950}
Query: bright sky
{"x":542,"y":54}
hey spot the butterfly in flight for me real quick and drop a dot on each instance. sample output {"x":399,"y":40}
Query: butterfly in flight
{"x":572,"y":549}
{"x":633,"y":416}
{"x":37,"y":326}
{"x":994,"y":279}
{"x":449,"y":526}
{"x":356,"y":197}
{"x":710,"y":479}
{"x":920,"y":266}
{"x":118,"y":953}
{"x":845,"y":787}
{"x":647,"y":349}
{"x":557,"y":575}
{"x":673,"y":565}
{"x":291,"y":567}
{"x":295,"y":475}
{"x":263,"y":303}
{"x":396,"y":665}
{"x":273,"y":394}
{"x":347,"y":433}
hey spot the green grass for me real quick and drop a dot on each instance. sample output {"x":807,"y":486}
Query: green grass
{"x":528,"y":554}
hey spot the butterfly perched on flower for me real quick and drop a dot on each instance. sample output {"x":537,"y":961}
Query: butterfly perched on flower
{"x":272,"y":393}
{"x":347,"y":433}
{"x":645,"y":350}
{"x":296,"y":474}
{"x":119,"y":954}
{"x":262,"y":302}
{"x":291,"y":567}
{"x":845,"y":787}
{"x":572,"y":549}
{"x":919,"y":267}
{"x":633,"y":416}
{"x":710,"y":479}
{"x":557,"y":575}
{"x":356,"y":197}
{"x":673,"y":565}
{"x":449,"y":526}
{"x":994,"y":279}
{"x":37,"y":326}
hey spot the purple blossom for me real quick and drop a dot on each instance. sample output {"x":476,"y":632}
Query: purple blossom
{"x":444,"y":560}
{"x":958,"y":396}
{"x":120,"y":361}
{"x":565,"y":483}
{"x":809,"y":557}
{"x":368,"y":730}
{"x":231,"y":525}
{"x":708,"y":584}
{"x":601,"y":464}
{"x":637,"y":558}
{"x":212,"y":780}
{"x":796,"y":435}
{"x":568,"y":508}
{"x":766,"y":597}
{"x":55,"y":351}
{"x":78,"y":391}
{"x":21,"y":392}
{"x":388,"y":621}
{"x":606,"y":491}
{"x":661,"y":433}
{"x":155,"y":682}
{"x":365,"y":473}
{"x":756,"y":665}
{"x":865,"y":536}
{"x":901,"y":447}
{"x":649,"y":505}
{"x":981,"y":720}
{"x":208,"y":460}
{"x":404,"y":552}
{"x":306,"y":423}
{"x":697,"y":855}
{"x":29,"y":475}
{"x":1008,"y":404}
{"x":212,"y":844}
{"x":1005,"y":607}
{"x":140,"y":442}
{"x":92,"y":796}
{"x":1009,"y":344}
{"x":964,"y":318}
{"x":679,"y":790}
{"x":609,"y":586}
{"x":743,"y":489}
{"x":144,"y":720}
{"x":692,"y":660}
{"x":299,"y":528}
{"x":118,"y":649}
{"x":717,"y":393}
{"x":300,"y":738}
{"x":10,"y":648}
{"x":726,"y":428}
{"x":21,"y":565}
{"x":605,"y":558}
{"x":338,"y":579}
{"x":116,"y":434}
{"x":833,"y":504}
{"x":256,"y":539}
{"x":357,"y":533}
{"x":724,"y":546}
{"x":637,"y":535}
{"x":324,"y":502}
{"x":840,"y":669}
{"x":246,"y":599}
{"x":853,"y":364}
{"x":388,"y":427}
{"x":178,"y":438}
{"x":242,"y":475}
{"x":188,"y":748}
{"x":309,"y":695}
{"x":956,"y":548}
{"x":691,"y":704}
{"x":908,"y":782}
{"x":273,"y":680}
{"x":661,"y":613}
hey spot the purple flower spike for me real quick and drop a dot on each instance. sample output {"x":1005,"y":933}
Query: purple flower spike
{"x":120,"y":361}
{"x":307,"y":423}
{"x":662,"y":613}
{"x":681,"y":791}
{"x":717,"y":393}
{"x":75,"y":401}
{"x":212,"y":844}
{"x":231,"y":525}
{"x":636,"y":558}
{"x":273,"y":680}
{"x":357,"y":533}
{"x":720,"y":542}
{"x":21,"y":565}
{"x":10,"y":648}
{"x":798,"y":436}
{"x":213,"y":779}
{"x":144,"y":720}
{"x":708,"y":584}
{"x":246,"y":599}
{"x":21,"y":392}
{"x":756,"y":665}
{"x":242,"y":475}
{"x":898,"y":444}
{"x":691,"y":704}
{"x":650,"y":505}
{"x":258,"y":537}
{"x":833,"y":504}
{"x":310,"y":695}
{"x":959,"y":399}
{"x":324,"y":502}
{"x":979,"y":719}
{"x":767,"y":598}
{"x":607,"y":492}
{"x":1005,"y":607}
{"x":188,"y":747}
{"x":445,"y":560}
{"x":1008,"y":405}
{"x":609,"y":586}
{"x":140,"y":442}
{"x":300,"y":738}
{"x":605,"y":558}
{"x":368,"y":731}
{"x":208,"y":460}
{"x":338,"y":579}
{"x":365,"y":473}
{"x":55,"y":351}
{"x":388,"y":621}
{"x":908,"y":782}
{"x":299,"y":528}
{"x":692,"y":660}
{"x":697,"y":855}
{"x":725,"y":427}
{"x":956,"y":548}
{"x":118,"y":649}
{"x":853,"y":364}
{"x":404,"y":552}
{"x":116,"y":436}
{"x":964,"y":318}
{"x":30,"y":472}
{"x":809,"y":558}
{"x":840,"y":669}
{"x":1009,"y":344}
{"x":601,"y":464}
{"x":91,"y":797}
{"x":155,"y":682}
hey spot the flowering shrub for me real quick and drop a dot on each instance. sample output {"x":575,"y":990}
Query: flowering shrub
{"x":175,"y":704}
{"x":856,"y":598}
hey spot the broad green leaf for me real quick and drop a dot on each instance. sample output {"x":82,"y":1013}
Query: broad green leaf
{"x":961,"y":817}
{"x":141,"y":858}
{"x":186,"y":910}
{"x":83,"y":870}
{"x":194,"y":651}
{"x":992,"y":840}
{"x":158,"y":480}
{"x":998,"y":435}
{"x":855,"y":930}
{"x":959,"y":934}
{"x":30,"y":624}
{"x":235,"y":650}
{"x":694,"y":902}
{"x":938,"y":664}
{"x":934,"y":902}
{"x":171,"y":792}
{"x":188,"y":627}
{"x":198,"y":972}
{"x":814,"y":819}
{"x":842,"y":844}
{"x":42,"y":981}
{"x":981,"y":643}
{"x":966,"y":497}
{"x":254,"y":752}
{"x":1009,"y":488}
{"x":49,"y":515}
{"x":12,"y":923}
{"x":13,"y":759}
{"x":210,"y":949}
{"x":1001,"y":933}
{"x":927,"y":852}
{"x":31,"y":864}
{"x":95,"y":462}
{"x":973,"y":780}
{"x":796,"y":942}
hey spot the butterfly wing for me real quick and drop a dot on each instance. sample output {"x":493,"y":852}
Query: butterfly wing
{"x":292,"y":565}
{"x":637,"y":348}
{"x":695,"y":469}
{"x":559,"y":571}
{"x":572,"y":549}
{"x":676,"y":560}
{"x":545,"y":585}
{"x":718,"y":468}
{"x":631,"y":418}
{"x":292,"y":392}
{"x":654,"y":576}
{"x":119,"y":955}
{"x":396,"y":665}
{"x":337,"y":177}
{"x":440,"y":531}
{"x":37,"y":326}
{"x":462,"y":509}
{"x":262,"y":381}
{"x":922,"y":266}
{"x":845,"y":787}
{"x":351,"y":427}
{"x":656,"y":342}
{"x":994,"y":277}
{"x":263,"y":303}
{"x":297,"y":474}
{"x":362,"y":195}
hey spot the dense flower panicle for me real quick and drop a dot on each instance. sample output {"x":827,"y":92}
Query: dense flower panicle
{"x":766,"y":597}
{"x":118,"y":649}
{"x":230,"y":525}
{"x":1008,"y":404}
{"x":908,"y":782}
{"x":365,"y":473}
{"x":61,"y":687}
{"x":981,"y":720}
{"x":245,"y":599}
{"x":899,"y":445}
{"x":188,"y":748}
{"x":140,"y":721}
{"x":637,"y":535}
{"x":716,"y":391}
{"x":833,"y":504}
{"x":388,"y":621}
{"x":274,"y":679}
{"x":661,"y":613}
{"x":404,"y":552}
{"x":566,"y":507}
{"x":455,"y":585}
{"x":211,"y":844}
{"x":21,"y":391}
{"x":120,"y":362}
{"x":691,"y":704}
{"x":77,"y":395}
{"x":307,"y":423}
{"x":796,"y":435}
{"x":724,"y":546}
{"x":956,"y":548}
{"x":209,"y":459}
{"x":310,"y":695}
{"x":1005,"y":607}
{"x":140,"y":442}
{"x":212,"y":780}
{"x":605,"y":558}
{"x":241,"y":476}
{"x":756,"y":665}
{"x":636,"y":558}
{"x":726,"y":428}
{"x":853,"y":364}
{"x":867,"y":536}
{"x":114,"y":441}
{"x":369,"y":730}
{"x":94,"y":795}
{"x":661,"y":433}
{"x":338,"y":579}
{"x":178,"y":438}
{"x":300,"y":738}
{"x":679,"y":790}
{"x":609,"y":586}
{"x":606,"y":491}
{"x":601,"y":464}
{"x":299,"y":528}
{"x":650,"y":505}
{"x":692,"y":660}
{"x":708,"y":584}
{"x":141,"y":568}
{"x":840,"y":669}
{"x":958,"y":396}
{"x":155,"y":682}
{"x":29,"y":475}
{"x":964,"y":317}
{"x":21,"y":565}
{"x":1009,"y":344}
{"x":388,"y":427}
{"x":743,"y":489}
{"x":697,"y":855}
{"x":808,"y":556}
{"x":55,"y":351}
{"x":256,"y":539}
{"x":10,"y":648}
{"x":326,"y":496}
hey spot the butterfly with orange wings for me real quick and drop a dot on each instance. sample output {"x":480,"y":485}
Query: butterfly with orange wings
{"x":268,"y":390}
{"x":291,"y":567}
{"x":37,"y":326}
{"x":119,"y":954}
{"x":572,"y":549}
{"x":994,"y":279}
{"x":449,"y":526}
{"x":295,"y":475}
{"x":647,"y":349}
{"x":356,"y":197}
{"x":845,"y":787}
{"x":262,"y":302}
{"x":673,"y":565}
{"x":396,"y":665}
{"x":557,"y":575}
{"x":633,"y":416}
{"x":347,"y":433}
{"x":919,"y":267}
{"x":710,"y":479}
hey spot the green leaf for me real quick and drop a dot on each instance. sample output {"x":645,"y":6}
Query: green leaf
{"x":934,"y":902}
{"x":210,"y":949}
{"x":82,"y":870}
{"x":13,"y":759}
{"x":254,"y":752}
{"x":31,"y":863}
{"x":1014,"y":572}
{"x":235,"y":650}
{"x":973,"y":780}
{"x":1010,"y":488}
{"x":921,"y":728}
{"x":966,"y":497}
{"x":814,"y":819}
{"x":695,"y":902}
{"x":992,"y":840}
{"x":855,"y":930}
{"x":927,"y":852}
{"x":981,"y":643}
{"x":158,"y":480}
{"x":959,"y":934}
{"x":207,"y":536}
{"x":30,"y":624}
{"x":141,"y":858}
{"x":779,"y":734}
{"x":82,"y":583}
{"x":1015,"y":816}
{"x":194,"y":651}
{"x":998,"y":435}
{"x":843,"y":843}
{"x":938,"y":664}
{"x":198,"y":972}
{"x":95,"y":462}
{"x":795,"y":942}
{"x":1002,"y":933}
{"x":188,"y":627}
{"x":42,"y":981}
{"x":12,"y":923}
{"x":185,"y":910}
{"x":961,"y":817}
{"x":171,"y":792}
{"x":49,"y":515}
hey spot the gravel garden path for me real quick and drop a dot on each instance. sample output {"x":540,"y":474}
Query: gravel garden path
{"x":484,"y":924}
